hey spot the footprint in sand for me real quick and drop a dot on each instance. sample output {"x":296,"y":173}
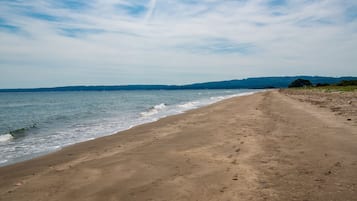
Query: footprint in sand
{"x":235,"y":177}
{"x":223,"y":189}
{"x":328,"y":173}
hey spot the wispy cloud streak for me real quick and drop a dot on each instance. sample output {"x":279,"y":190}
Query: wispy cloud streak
{"x":151,"y":9}
{"x":111,"y":41}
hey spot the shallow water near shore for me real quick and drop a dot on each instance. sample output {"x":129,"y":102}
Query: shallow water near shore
{"x":33,"y":124}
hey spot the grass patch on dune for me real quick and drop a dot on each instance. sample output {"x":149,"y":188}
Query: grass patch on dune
{"x":331,"y":88}
{"x":342,"y":86}
{"x":336,"y":88}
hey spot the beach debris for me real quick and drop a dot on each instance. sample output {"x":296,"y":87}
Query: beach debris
{"x":20,"y":183}
{"x":349,"y":119}
{"x":321,"y":180}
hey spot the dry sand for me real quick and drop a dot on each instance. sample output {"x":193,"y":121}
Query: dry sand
{"x":266,"y":146}
{"x":341,"y":103}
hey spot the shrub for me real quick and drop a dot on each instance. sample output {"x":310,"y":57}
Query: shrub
{"x":300,"y":83}
{"x":322,"y":84}
{"x":347,"y":83}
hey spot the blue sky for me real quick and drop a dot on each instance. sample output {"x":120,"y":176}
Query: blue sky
{"x":47,"y":43}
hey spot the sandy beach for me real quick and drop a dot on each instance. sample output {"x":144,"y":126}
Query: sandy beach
{"x":268,"y":146}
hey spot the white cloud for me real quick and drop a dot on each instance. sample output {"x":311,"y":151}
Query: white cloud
{"x":158,"y":41}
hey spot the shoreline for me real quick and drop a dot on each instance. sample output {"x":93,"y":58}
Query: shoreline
{"x":265,"y":146}
{"x":44,"y":153}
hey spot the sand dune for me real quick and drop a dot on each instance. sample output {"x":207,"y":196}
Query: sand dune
{"x":266,"y":146}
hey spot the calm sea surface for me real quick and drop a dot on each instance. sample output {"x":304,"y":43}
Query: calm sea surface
{"x":33,"y":124}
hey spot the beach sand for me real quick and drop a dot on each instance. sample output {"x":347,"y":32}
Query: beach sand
{"x":266,"y":146}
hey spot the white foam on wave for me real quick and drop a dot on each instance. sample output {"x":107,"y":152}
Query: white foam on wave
{"x":246,"y":93}
{"x":6,"y":138}
{"x":153,"y":110}
{"x":160,"y":106}
{"x":188,"y":105}
{"x":203,"y":102}
{"x":3,"y":161}
{"x":218,"y":98}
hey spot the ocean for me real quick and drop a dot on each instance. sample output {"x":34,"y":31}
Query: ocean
{"x":36,"y":123}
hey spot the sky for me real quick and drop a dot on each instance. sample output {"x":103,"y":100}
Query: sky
{"x":46,"y":43}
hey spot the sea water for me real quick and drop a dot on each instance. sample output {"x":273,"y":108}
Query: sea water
{"x":36,"y":123}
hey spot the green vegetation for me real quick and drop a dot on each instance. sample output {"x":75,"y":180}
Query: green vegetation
{"x":300,"y":83}
{"x":332,"y":88}
{"x":322,"y":84}
{"x":347,"y":83}
{"x":344,"y":86}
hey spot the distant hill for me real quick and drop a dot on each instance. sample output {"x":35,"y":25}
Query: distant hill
{"x":249,"y":83}
{"x":265,"y":82}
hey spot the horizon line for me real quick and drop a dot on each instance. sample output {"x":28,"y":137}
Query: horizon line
{"x":170,"y":85}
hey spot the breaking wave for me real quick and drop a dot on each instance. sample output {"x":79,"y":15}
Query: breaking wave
{"x":6,"y":137}
{"x":153,"y":110}
{"x":189,"y":105}
{"x":21,"y":132}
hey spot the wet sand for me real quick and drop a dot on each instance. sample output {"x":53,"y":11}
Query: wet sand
{"x":266,"y":146}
